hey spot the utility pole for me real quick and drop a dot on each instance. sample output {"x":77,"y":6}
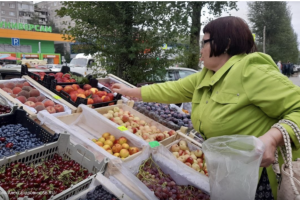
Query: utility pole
{"x":264,"y":40}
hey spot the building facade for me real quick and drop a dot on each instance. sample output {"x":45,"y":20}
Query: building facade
{"x":16,"y":11}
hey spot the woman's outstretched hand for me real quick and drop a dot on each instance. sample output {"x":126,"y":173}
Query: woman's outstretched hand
{"x":127,"y":91}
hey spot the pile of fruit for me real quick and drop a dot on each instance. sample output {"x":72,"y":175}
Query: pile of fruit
{"x":109,"y":86}
{"x":163,"y":186}
{"x":16,"y":138}
{"x":99,"y":193}
{"x":31,"y":97}
{"x":137,"y":126}
{"x":4,"y":109}
{"x":92,"y":94}
{"x":60,"y":77}
{"x":194,"y":159}
{"x":117,"y":147}
{"x":165,"y":115}
{"x":41,"y":182}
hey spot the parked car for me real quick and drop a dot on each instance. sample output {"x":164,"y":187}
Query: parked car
{"x":173,"y":74}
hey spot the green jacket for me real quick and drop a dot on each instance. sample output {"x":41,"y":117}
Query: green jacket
{"x":245,"y":96}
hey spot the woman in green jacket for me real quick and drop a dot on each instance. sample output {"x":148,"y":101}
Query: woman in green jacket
{"x":237,"y":92}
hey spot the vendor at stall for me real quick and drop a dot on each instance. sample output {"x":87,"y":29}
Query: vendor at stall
{"x":238,"y":92}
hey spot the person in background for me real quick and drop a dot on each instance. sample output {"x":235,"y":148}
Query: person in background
{"x":238,"y":92}
{"x":288,"y":69}
{"x":279,"y":66}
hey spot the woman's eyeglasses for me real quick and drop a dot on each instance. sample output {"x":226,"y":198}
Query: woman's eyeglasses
{"x":205,"y":41}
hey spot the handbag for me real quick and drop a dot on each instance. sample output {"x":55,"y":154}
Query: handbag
{"x":289,"y":175}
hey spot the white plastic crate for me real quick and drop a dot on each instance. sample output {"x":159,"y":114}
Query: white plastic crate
{"x":107,"y":185}
{"x":64,"y":148}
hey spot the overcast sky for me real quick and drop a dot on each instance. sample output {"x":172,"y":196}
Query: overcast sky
{"x":294,"y":8}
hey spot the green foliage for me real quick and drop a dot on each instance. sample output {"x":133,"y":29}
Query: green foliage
{"x":281,"y":40}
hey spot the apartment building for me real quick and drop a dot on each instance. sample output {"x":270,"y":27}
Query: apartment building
{"x":51,"y":6}
{"x":16,"y":11}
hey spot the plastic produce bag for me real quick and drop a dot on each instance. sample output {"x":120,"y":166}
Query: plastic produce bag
{"x":233,"y":164}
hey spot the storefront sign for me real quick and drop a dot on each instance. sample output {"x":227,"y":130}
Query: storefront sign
{"x":30,"y":56}
{"x":27,"y":27}
{"x":50,"y":56}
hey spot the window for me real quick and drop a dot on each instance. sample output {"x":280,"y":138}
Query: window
{"x":55,"y":4}
{"x":12,"y":5}
{"x":170,"y":76}
{"x":184,"y":73}
{"x":3,"y":4}
{"x":11,"y":13}
{"x":13,"y":21}
{"x":2,"y":12}
{"x":25,"y":6}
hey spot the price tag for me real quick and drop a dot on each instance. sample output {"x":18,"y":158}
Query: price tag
{"x":122,"y":128}
{"x":154,"y":144}
{"x":56,"y":97}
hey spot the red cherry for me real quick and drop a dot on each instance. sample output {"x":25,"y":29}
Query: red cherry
{"x":9,"y":145}
{"x":2,"y":139}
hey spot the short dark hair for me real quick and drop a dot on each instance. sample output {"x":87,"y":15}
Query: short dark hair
{"x":232,"y":31}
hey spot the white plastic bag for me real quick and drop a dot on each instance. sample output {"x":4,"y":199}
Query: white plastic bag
{"x":233,"y":164}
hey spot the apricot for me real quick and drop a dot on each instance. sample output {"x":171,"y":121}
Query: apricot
{"x":33,"y":99}
{"x":22,"y":99}
{"x":34,"y":93}
{"x":16,"y":90}
{"x":9,"y":85}
{"x":48,"y":103}
{"x":26,"y":84}
{"x":27,"y":88}
{"x":39,"y":107}
{"x":24,"y":93}
{"x":8,"y":90}
{"x":41,"y":98}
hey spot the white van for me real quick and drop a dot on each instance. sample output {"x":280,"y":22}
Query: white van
{"x":80,"y":62}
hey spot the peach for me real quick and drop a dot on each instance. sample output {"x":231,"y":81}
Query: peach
{"x":111,"y":96}
{"x":94,"y":90}
{"x":24,"y":93}
{"x":20,"y":85}
{"x":8,"y":90}
{"x":39,"y":104}
{"x":41,"y":98}
{"x":13,"y":95}
{"x":90,"y":101}
{"x":34,"y":93}
{"x":87,"y":87}
{"x":1,"y":85}
{"x":88,"y":93}
{"x":80,"y":91}
{"x":39,"y":107}
{"x":81,"y":95}
{"x":101,"y":93}
{"x":22,"y":99}
{"x":58,"y":88}
{"x":48,"y":103}
{"x":16,"y":90}
{"x":51,"y":109}
{"x":73,"y":97}
{"x":27,"y":88}
{"x":30,"y":104}
{"x":59,"y":108}
{"x":117,"y":148}
{"x":33,"y":99}
{"x":75,"y":86}
{"x":9,"y":85}
{"x":106,"y":99}
{"x":97,"y":100}
{"x":26,"y":84}
{"x":68,"y":89}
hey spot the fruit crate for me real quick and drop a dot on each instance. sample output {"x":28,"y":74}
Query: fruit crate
{"x":87,"y":124}
{"x":19,"y":116}
{"x":123,"y":175}
{"x":8,"y":104}
{"x":46,"y":81}
{"x":106,"y":184}
{"x":43,"y":91}
{"x":148,"y":120}
{"x":67,"y":150}
{"x":79,"y":100}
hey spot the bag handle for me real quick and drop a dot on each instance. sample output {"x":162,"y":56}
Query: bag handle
{"x":286,"y":151}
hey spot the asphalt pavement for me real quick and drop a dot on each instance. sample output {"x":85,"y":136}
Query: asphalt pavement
{"x":295,"y":78}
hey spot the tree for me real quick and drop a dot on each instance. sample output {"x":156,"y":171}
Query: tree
{"x":194,"y":10}
{"x":281,"y":40}
{"x":129,"y":35}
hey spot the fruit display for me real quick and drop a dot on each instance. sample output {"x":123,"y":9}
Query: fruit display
{"x":194,"y":159}
{"x":16,"y":138}
{"x":137,"y":126}
{"x":4,"y":109}
{"x":164,"y":114}
{"x":163,"y":186}
{"x":59,"y":76}
{"x":99,"y":193}
{"x":39,"y":182}
{"x":92,"y":95}
{"x":31,"y":97}
{"x":117,"y":147}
